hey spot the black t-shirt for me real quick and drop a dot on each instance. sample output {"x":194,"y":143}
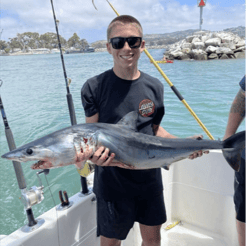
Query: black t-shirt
{"x":113,"y":97}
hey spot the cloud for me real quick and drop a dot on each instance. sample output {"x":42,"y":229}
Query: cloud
{"x":156,"y":16}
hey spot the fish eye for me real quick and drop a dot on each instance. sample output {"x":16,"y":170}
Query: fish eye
{"x":29,"y":151}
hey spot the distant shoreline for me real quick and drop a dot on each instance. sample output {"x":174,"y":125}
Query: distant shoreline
{"x":20,"y":53}
{"x":152,"y":41}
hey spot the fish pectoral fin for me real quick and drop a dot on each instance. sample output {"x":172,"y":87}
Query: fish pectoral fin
{"x":166,"y":167}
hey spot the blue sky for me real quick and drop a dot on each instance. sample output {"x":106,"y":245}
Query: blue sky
{"x":156,"y":16}
{"x":222,"y":3}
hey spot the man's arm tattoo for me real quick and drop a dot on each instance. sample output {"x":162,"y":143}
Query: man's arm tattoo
{"x":238,"y":105}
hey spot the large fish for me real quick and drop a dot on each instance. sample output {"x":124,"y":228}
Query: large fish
{"x":139,"y":150}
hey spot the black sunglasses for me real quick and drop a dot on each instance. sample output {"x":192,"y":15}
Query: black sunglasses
{"x":119,"y":42}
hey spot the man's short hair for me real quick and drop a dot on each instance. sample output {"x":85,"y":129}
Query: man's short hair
{"x":124,"y":19}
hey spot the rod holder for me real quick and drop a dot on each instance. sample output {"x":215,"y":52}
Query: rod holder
{"x":65,"y":203}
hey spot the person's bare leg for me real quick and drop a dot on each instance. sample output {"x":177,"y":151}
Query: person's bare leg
{"x":104,"y":241}
{"x":241,"y":232}
{"x":151,"y":235}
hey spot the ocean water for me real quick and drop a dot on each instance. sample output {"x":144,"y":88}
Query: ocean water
{"x":34,"y":98}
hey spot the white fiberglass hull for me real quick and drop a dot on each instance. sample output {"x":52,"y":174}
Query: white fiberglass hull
{"x":199,"y":193}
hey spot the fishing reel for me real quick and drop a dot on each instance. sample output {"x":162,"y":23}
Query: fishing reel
{"x":35,"y":194}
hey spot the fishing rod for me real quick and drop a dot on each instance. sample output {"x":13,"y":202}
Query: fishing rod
{"x":175,"y":90}
{"x":11,"y":143}
{"x":69,"y":95}
{"x":69,"y":100}
{"x":29,"y":197}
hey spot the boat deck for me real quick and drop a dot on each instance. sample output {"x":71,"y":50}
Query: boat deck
{"x":182,"y":236}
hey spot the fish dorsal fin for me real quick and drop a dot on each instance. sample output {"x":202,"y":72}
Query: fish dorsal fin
{"x":129,"y":121}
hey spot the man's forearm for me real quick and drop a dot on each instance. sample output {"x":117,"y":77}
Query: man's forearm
{"x":236,"y":115}
{"x":161,"y":132}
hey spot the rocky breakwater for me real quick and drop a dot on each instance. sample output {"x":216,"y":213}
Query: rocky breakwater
{"x":206,"y":46}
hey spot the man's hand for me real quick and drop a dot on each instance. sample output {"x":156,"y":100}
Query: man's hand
{"x":82,"y":157}
{"x":197,"y":153}
{"x":102,"y":158}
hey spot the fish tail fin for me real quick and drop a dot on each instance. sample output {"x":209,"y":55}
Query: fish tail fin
{"x":233,"y":148}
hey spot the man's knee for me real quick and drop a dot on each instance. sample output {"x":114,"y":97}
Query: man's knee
{"x":151,"y":241}
{"x":151,"y":235}
{"x":104,"y":241}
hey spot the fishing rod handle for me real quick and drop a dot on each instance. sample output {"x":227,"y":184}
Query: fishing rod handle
{"x":17,"y":166}
{"x":84,"y":185}
{"x":71,"y":109}
{"x":11,"y":143}
{"x":5,"y":121}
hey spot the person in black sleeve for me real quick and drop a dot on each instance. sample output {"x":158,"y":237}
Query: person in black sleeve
{"x":236,"y":116}
{"x":125,"y":195}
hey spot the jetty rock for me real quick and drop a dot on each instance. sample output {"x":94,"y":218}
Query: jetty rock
{"x":206,"y":45}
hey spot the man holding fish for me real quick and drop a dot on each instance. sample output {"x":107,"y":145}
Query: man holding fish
{"x":126,"y":195}
{"x":124,"y":107}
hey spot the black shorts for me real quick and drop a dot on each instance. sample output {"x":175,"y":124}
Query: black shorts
{"x":116,"y":218}
{"x":239,"y":195}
